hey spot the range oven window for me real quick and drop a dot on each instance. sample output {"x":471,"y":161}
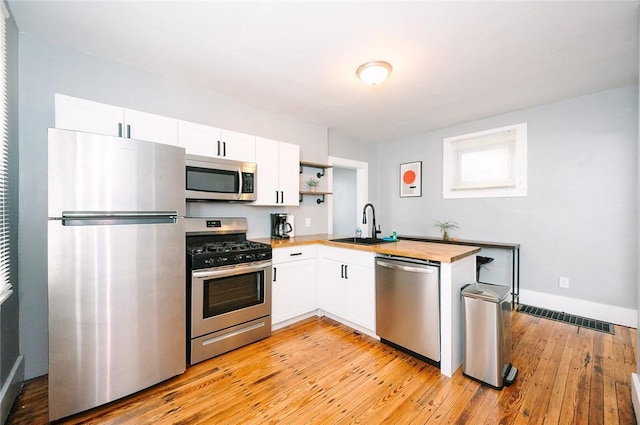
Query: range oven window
{"x":212,"y":180}
{"x":226,"y":294}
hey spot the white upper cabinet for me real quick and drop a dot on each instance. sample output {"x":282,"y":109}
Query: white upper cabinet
{"x":91,"y":117}
{"x":198,"y":139}
{"x":94,"y":117}
{"x":289,"y":173}
{"x":267,"y":152}
{"x":238,"y":146}
{"x":278,"y":173}
{"x":154,"y":128}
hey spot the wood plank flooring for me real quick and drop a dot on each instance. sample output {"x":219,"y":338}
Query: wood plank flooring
{"x":319,"y":371}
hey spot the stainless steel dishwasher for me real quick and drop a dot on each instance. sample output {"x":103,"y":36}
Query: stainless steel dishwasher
{"x":408,"y":305}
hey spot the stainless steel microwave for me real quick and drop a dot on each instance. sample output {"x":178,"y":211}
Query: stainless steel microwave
{"x":211,"y":179}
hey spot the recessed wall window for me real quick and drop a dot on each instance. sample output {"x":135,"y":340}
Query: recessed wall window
{"x":486,"y":164}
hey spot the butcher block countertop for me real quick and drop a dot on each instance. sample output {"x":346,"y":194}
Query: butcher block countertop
{"x":445,"y":253}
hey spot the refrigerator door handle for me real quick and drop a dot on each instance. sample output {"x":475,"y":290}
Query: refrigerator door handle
{"x":91,"y":218}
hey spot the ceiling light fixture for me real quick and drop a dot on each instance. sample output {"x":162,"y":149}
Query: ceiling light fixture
{"x":374,"y":73}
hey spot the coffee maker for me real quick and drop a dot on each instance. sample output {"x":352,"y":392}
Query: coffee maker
{"x":280,"y":228}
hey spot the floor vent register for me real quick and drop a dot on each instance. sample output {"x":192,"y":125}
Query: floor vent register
{"x":585,"y":322}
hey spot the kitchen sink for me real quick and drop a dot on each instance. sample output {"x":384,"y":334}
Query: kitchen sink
{"x":361,"y":241}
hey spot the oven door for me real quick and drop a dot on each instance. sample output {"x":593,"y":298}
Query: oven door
{"x":227,"y":296}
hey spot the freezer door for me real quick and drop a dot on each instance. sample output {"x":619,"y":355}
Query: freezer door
{"x":89,"y":172}
{"x":117,"y":311}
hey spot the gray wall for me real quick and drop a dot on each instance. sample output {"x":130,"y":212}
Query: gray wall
{"x":345,"y":202}
{"x":579,"y":219}
{"x":342,"y":146}
{"x":46,"y":69}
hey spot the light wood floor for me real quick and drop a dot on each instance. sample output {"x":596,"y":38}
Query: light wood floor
{"x":319,"y":371}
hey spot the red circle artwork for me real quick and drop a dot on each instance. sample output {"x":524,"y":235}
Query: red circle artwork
{"x":409,"y":177}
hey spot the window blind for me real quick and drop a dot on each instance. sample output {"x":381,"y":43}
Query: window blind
{"x":5,"y":257}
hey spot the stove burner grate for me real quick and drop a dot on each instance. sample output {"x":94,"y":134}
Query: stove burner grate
{"x":207,"y":253}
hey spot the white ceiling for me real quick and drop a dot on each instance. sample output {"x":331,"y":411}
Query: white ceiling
{"x":452,"y":61}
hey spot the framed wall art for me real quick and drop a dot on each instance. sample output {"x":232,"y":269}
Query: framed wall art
{"x":411,"y":179}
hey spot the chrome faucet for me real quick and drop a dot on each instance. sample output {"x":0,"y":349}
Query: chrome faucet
{"x":374,"y":231}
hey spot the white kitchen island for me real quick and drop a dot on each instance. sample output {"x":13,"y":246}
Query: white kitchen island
{"x":457,"y":268}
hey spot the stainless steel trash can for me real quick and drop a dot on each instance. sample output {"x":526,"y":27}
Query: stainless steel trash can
{"x":486,"y":311}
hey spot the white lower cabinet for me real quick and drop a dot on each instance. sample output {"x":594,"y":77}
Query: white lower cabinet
{"x":293,"y":291}
{"x":333,"y":287}
{"x":346,"y":283}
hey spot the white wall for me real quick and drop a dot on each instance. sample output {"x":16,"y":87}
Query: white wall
{"x":342,"y":146}
{"x":46,"y":69}
{"x":579,"y":218}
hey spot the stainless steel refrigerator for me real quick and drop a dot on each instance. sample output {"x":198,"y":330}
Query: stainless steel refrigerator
{"x":116,"y":263}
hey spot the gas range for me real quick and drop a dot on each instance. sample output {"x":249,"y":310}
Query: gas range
{"x":228,"y":287}
{"x":217,"y":242}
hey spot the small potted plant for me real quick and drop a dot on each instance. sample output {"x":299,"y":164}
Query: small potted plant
{"x":313,"y":184}
{"x":444,"y":226}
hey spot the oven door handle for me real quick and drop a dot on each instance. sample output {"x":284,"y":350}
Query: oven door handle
{"x":241,"y":269}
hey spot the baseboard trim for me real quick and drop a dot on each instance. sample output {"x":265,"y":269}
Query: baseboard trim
{"x":11,"y":388}
{"x":617,"y":315}
{"x":293,"y":320}
{"x":352,"y":325}
{"x":635,"y":395}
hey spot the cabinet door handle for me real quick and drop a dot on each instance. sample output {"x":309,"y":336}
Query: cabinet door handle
{"x":293,"y":254}
{"x":282,"y":196}
{"x":341,"y":271}
{"x":128,"y":131}
{"x":224,"y":148}
{"x":277,"y":201}
{"x":346,"y":276}
{"x":275,"y":274}
{"x":218,"y":147}
{"x":119,"y":129}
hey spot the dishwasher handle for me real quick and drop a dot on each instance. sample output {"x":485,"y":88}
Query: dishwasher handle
{"x":398,"y":266}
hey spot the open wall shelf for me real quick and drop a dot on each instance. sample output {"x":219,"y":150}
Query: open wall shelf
{"x":308,"y":164}
{"x":320,"y":195}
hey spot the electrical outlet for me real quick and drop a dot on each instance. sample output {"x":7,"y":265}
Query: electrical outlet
{"x":563,"y":282}
{"x":307,"y":222}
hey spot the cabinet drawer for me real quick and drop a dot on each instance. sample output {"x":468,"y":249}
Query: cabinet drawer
{"x":294,"y":253}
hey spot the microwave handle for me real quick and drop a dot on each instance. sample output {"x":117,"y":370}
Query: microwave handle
{"x":240,"y":183}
